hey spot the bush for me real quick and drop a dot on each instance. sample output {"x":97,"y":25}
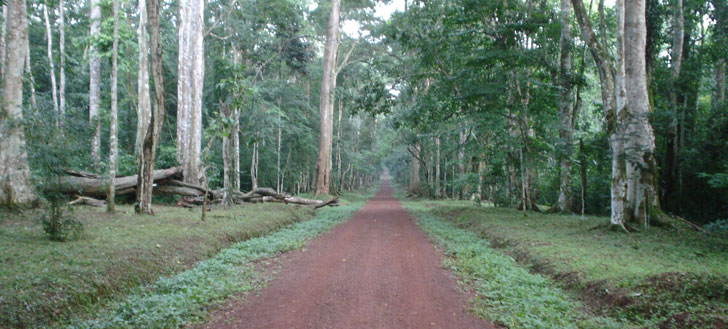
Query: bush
{"x":59,"y":224}
{"x":718,"y":227}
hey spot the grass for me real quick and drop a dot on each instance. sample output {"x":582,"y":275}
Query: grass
{"x":45,"y":283}
{"x":185,"y":297}
{"x":658,"y":277}
{"x":507,"y":293}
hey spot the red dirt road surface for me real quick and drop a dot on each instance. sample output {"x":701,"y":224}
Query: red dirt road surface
{"x":377,"y":270}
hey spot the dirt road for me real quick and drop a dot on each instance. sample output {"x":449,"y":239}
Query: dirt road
{"x":378,"y":270}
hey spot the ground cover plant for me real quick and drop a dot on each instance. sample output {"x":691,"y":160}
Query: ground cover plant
{"x":42,"y":281}
{"x":668,"y":277}
{"x":506,"y":293}
{"x":185,"y":297}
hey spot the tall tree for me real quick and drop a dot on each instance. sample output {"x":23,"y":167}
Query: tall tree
{"x":190,"y":77}
{"x":15,"y":187}
{"x":326,"y":109}
{"x":565,"y":109}
{"x":607,"y":79}
{"x":144,"y":110}
{"x":670,"y":168}
{"x":94,"y":92}
{"x":62,"y":63}
{"x":146,"y":167}
{"x":49,"y":43}
{"x":113,"y":125}
{"x":638,"y":135}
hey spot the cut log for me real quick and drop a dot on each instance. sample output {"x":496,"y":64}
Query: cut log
{"x":97,"y":187}
{"x":88,"y":201}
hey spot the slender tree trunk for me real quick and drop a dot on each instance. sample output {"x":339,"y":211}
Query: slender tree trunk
{"x":608,"y":80}
{"x":565,"y":109}
{"x":461,"y":157}
{"x":29,"y":72}
{"x":640,"y":139}
{"x":227,"y":150}
{"x":15,"y":187}
{"x":190,"y":79}
{"x":113,"y":125}
{"x":718,"y":97}
{"x":339,"y":143}
{"x":323,"y":174}
{"x":62,"y":64}
{"x":671,"y":139}
{"x":438,"y":193}
{"x":582,"y":170}
{"x":414,"y":183}
{"x":237,"y":54}
{"x":254,"y":166}
{"x":94,"y":93}
{"x":3,"y":33}
{"x":49,"y":40}
{"x":144,"y":111}
{"x":481,"y":170}
{"x":146,"y":168}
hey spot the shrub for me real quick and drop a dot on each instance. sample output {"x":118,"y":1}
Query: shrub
{"x":718,"y":227}
{"x":59,"y":224}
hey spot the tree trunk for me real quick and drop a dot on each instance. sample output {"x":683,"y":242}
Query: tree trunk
{"x":94,"y":92}
{"x":144,"y":111}
{"x":15,"y":187}
{"x":3,"y":33}
{"x":323,"y":174}
{"x":29,"y":72}
{"x":461,"y":157}
{"x":607,"y":79}
{"x":438,"y":193}
{"x":640,"y":139}
{"x":339,"y":142}
{"x":146,"y":167}
{"x":52,"y":73}
{"x":670,"y":167}
{"x":565,"y":109}
{"x":254,"y":167}
{"x":582,"y":171}
{"x":414,"y":183}
{"x":62,"y":64}
{"x":113,"y":125}
{"x":718,"y":98}
{"x":190,"y":79}
{"x":236,"y":133}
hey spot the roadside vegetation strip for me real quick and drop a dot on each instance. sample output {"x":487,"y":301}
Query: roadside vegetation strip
{"x":658,"y":277}
{"x":184,"y":298}
{"x":43,"y":282}
{"x":507,"y":294}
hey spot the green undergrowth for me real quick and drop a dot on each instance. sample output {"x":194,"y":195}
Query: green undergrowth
{"x":660,"y":277}
{"x":185,"y":297}
{"x":44,"y":282}
{"x":506,"y":293}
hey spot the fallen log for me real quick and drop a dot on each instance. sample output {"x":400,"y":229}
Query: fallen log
{"x":331,"y":202}
{"x":186,"y":189}
{"x":88,"y":201}
{"x":97,"y":187}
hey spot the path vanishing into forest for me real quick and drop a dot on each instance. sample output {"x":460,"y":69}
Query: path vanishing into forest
{"x":377,"y":270}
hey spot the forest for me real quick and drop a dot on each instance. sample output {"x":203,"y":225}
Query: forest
{"x":604,"y":117}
